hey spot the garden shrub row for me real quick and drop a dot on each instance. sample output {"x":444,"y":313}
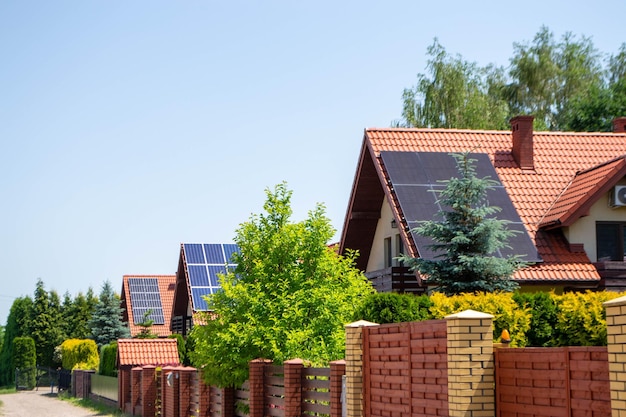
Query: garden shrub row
{"x":532,"y":319}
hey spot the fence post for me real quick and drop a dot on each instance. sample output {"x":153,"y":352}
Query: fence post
{"x":135,"y":391}
{"x":257,"y":386}
{"x":293,"y":387}
{"x":337,"y":371}
{"x":616,"y":348}
{"x":228,"y":402}
{"x":354,"y":367}
{"x":185,"y":390}
{"x":470,"y":364}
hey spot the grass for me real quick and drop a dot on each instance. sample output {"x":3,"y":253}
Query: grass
{"x":101,"y":409}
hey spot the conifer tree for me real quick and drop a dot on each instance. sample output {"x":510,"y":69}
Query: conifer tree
{"x":466,"y":238}
{"x":17,"y":325}
{"x":106,"y":322}
{"x":45,"y":324}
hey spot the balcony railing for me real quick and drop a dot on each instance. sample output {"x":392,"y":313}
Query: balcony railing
{"x":395,"y":279}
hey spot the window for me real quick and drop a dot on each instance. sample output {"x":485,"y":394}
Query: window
{"x":610,"y":241}
{"x":388,"y":257}
{"x":399,"y":250}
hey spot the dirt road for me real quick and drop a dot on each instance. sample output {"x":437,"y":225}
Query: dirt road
{"x":40,"y":403}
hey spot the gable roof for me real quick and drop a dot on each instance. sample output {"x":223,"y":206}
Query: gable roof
{"x":534,"y":191}
{"x":166,"y":287}
{"x":157,"y":352}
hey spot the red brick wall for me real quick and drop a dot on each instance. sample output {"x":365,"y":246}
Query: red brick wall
{"x":569,"y":381}
{"x":405,"y":370}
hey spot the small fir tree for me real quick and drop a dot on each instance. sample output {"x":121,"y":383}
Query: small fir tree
{"x":146,"y":327}
{"x":466,"y":238}
{"x":106,"y":322}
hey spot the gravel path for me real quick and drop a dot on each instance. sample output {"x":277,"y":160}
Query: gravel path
{"x":40,"y":403}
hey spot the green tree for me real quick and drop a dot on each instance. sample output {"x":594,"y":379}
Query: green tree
{"x":547,"y":76}
{"x":106,"y":322}
{"x":466,"y":238}
{"x":290,"y":296}
{"x":77,"y":313}
{"x":25,"y":359}
{"x":455,"y":94}
{"x":146,"y":327}
{"x":17,"y":325}
{"x":45,"y":324}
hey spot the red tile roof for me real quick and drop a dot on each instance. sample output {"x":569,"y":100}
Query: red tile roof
{"x":558,"y":157}
{"x":136,"y":352}
{"x":167,"y":286}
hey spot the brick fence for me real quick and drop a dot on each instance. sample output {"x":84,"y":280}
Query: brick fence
{"x":449,"y":367}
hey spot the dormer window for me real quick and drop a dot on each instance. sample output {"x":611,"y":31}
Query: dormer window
{"x":610,"y":241}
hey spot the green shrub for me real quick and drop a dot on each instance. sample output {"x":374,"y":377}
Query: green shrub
{"x":108,"y":360}
{"x":182,"y":351}
{"x":581,"y":318}
{"x":543,"y":317}
{"x":507,"y":314}
{"x":79,"y":354}
{"x":384,"y":308}
{"x":25,"y":358}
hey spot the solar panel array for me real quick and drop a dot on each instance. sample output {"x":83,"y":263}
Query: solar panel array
{"x":146,"y":297}
{"x":416,"y":177}
{"x":204,"y":263}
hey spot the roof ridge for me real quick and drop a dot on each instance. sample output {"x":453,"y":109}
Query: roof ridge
{"x":605,"y":163}
{"x":504,"y":132}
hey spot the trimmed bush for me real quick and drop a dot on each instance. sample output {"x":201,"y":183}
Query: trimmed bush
{"x":79,"y":354}
{"x":108,"y":360}
{"x":388,"y":307}
{"x":543,"y":317}
{"x":25,"y":359}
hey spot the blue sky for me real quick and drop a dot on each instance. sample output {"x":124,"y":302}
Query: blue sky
{"x":127,"y":128}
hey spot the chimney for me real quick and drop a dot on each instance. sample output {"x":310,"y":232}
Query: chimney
{"x":619,"y":125}
{"x":522,"y":128}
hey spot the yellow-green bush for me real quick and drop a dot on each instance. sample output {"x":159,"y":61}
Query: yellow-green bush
{"x":507,"y":314}
{"x":79,"y":354}
{"x":581,"y":318}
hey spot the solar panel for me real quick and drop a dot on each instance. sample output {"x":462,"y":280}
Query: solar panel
{"x":416,"y":178}
{"x":204,"y":264}
{"x":146,"y":297}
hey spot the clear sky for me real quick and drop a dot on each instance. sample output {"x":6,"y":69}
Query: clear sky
{"x":129,"y":127}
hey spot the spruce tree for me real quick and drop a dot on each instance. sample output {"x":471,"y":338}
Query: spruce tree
{"x":466,"y":238}
{"x":106,"y":322}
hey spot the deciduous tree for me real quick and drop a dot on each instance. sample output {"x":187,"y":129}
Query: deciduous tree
{"x":290,"y":295}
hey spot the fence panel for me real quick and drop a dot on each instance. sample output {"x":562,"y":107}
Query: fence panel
{"x":405,"y":369}
{"x":104,"y":386}
{"x":552,"y":382}
{"x":316,"y":392}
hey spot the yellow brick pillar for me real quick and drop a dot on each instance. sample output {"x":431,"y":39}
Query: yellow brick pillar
{"x":470,"y":364}
{"x":616,"y":348}
{"x":354,"y":368}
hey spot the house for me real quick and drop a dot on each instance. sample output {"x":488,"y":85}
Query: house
{"x":565,"y":192}
{"x":199,"y":267}
{"x":151,"y":297}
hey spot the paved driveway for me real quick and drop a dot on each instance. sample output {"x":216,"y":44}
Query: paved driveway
{"x":40,"y":403}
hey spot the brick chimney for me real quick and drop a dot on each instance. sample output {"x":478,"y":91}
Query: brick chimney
{"x":619,"y":125}
{"x":522,"y":128}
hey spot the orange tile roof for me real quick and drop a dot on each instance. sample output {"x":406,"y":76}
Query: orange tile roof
{"x":558,"y":156}
{"x":167,"y":286}
{"x":136,"y":352}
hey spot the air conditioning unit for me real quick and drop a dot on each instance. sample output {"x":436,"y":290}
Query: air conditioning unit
{"x":618,"y":196}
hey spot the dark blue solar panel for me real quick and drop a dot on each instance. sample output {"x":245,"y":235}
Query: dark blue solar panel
{"x":197,"y":294}
{"x":198,"y":276}
{"x":229,"y":250}
{"x":415,"y":178}
{"x":214,"y":254}
{"x":204,"y":263}
{"x":213,"y":271}
{"x":146,"y":297}
{"x":194,"y":253}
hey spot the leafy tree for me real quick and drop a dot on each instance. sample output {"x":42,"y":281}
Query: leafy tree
{"x":290,"y":296}
{"x":457,"y":94}
{"x":17,"y":325}
{"x":106,"y":322}
{"x":466,"y":238}
{"x":546,"y":75}
{"x":45,"y":324}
